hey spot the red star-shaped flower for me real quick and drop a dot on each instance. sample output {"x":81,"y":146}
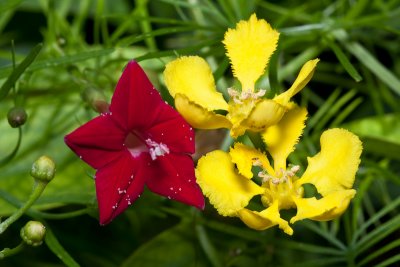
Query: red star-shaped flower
{"x":141,"y":141}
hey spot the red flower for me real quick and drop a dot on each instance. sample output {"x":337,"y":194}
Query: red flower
{"x":140,"y":141}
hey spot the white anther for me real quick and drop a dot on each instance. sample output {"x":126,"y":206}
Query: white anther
{"x":156,"y":149}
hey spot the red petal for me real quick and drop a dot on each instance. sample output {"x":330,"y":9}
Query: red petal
{"x":119,"y":184}
{"x":98,"y":142}
{"x":137,"y":105}
{"x":171,"y":129}
{"x":174,"y":178}
{"x":135,"y":102}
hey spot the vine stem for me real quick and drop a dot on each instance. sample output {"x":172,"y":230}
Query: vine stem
{"x":36,"y":192}
{"x":11,"y":251}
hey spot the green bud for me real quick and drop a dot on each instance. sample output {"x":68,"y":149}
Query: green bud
{"x":33,"y":233}
{"x":16,"y":117}
{"x":96,"y":99}
{"x":43,"y":169}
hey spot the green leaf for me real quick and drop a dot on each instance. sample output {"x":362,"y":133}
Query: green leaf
{"x":390,"y":261}
{"x":8,"y":4}
{"x":376,"y":67}
{"x":208,"y":246}
{"x":175,"y":247}
{"x":54,"y":62}
{"x":58,"y":250}
{"x":380,"y":251}
{"x":351,"y":70}
{"x":128,"y":41}
{"x":375,"y":218}
{"x":15,"y":74}
{"x":328,"y":236}
{"x":380,"y":134}
{"x":310,"y":248}
{"x":378,"y":234}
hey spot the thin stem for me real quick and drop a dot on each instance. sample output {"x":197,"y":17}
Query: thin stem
{"x":37,"y":191}
{"x":13,"y":62}
{"x":14,"y":152}
{"x":11,"y":251}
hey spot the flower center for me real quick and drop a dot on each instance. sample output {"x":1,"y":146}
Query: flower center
{"x":136,"y":145}
{"x":156,"y":149}
{"x":279,"y":187}
{"x":239,"y":98}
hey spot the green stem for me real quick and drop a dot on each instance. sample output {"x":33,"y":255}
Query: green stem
{"x":37,"y":191}
{"x":11,"y":251}
{"x":14,"y":152}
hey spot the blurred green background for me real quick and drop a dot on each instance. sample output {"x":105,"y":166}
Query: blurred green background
{"x":64,"y":49}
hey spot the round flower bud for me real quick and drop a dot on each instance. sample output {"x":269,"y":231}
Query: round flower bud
{"x":43,"y":169}
{"x":33,"y":233}
{"x":16,"y":117}
{"x":96,"y":99}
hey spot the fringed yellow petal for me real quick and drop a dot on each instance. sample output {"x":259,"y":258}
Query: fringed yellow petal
{"x":282,"y":137}
{"x":265,"y":113}
{"x":301,"y":81}
{"x":334,"y":168}
{"x":244,"y":157}
{"x":192,"y":77}
{"x":228,"y":191}
{"x":249,"y":48}
{"x":324,"y":209}
{"x":199,"y":117}
{"x":265,"y":219}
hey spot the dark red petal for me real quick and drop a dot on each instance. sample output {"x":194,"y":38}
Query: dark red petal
{"x":119,"y":184}
{"x":135,"y":103}
{"x":98,"y":142}
{"x":174,"y":178}
{"x":171,"y":129}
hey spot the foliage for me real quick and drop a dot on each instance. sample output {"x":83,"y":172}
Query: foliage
{"x":51,"y":52}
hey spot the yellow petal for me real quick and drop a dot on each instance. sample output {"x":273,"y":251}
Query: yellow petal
{"x":265,"y":219}
{"x":249,"y":48}
{"x":197,"y":116}
{"x":192,"y":77}
{"x":244,"y":156}
{"x":265,"y":113}
{"x":324,"y":209}
{"x":334,"y":168}
{"x":282,"y":137}
{"x":301,"y":81}
{"x":228,"y":191}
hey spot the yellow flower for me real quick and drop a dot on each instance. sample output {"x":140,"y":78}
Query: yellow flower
{"x":249,"y":47}
{"x":332,"y":172}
